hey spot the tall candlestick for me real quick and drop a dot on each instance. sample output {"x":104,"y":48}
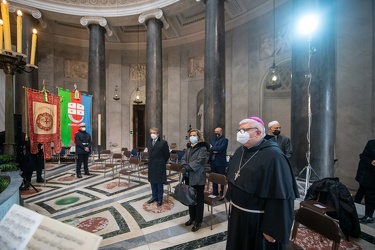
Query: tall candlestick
{"x":1,"y":34}
{"x":19,"y":31}
{"x":5,"y":17}
{"x":99,"y":129}
{"x":33,"y":47}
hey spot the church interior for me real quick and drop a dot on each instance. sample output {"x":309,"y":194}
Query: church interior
{"x":143,"y":73}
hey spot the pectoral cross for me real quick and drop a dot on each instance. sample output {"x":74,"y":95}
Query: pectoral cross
{"x":236,"y":175}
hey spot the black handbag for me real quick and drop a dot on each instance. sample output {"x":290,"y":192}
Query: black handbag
{"x":185,"y":194}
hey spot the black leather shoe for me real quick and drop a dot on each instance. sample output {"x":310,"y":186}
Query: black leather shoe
{"x":160,"y":203}
{"x":87,"y":174}
{"x":79,"y":176}
{"x":189,"y":222}
{"x":196,"y":226}
{"x":366,"y":219}
{"x":151,"y":200}
{"x":41,"y":180}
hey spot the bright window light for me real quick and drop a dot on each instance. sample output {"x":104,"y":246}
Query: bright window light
{"x":308,"y":24}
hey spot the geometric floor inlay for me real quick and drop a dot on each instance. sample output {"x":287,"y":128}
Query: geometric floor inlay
{"x":106,"y":222}
{"x":66,"y":201}
{"x":146,"y":219}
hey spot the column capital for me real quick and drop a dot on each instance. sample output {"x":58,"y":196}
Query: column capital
{"x":30,"y":10}
{"x":155,"y":13}
{"x":86,"y":20}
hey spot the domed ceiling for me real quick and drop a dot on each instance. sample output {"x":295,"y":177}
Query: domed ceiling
{"x":185,"y":17}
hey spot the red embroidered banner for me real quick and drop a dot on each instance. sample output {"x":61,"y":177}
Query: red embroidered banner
{"x":44,"y":121}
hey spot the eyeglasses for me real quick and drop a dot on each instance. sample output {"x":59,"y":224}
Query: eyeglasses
{"x":242,"y":131}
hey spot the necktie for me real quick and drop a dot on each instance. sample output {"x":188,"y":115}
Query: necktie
{"x":153,"y":142}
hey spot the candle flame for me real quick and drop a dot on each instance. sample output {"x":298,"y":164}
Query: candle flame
{"x":34,"y":31}
{"x":19,"y":12}
{"x":4,"y":2}
{"x":1,"y":22}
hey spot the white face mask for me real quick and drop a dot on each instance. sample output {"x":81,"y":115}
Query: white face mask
{"x":242,"y":138}
{"x":83,"y":129}
{"x":154,"y":136}
{"x":193,"y":139}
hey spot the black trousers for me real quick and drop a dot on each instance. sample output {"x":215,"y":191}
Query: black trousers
{"x":82,"y":158}
{"x":370,"y":202}
{"x":196,"y":212}
{"x":360,"y":194}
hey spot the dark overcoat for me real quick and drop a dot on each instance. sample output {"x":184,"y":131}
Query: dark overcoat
{"x":158,"y":156}
{"x":83,"y":139}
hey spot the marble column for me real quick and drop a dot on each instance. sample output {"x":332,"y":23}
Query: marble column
{"x":96,"y":77}
{"x":321,"y":46}
{"x":9,"y":145}
{"x":154,"y":21}
{"x":28,"y":80}
{"x":214,"y":68}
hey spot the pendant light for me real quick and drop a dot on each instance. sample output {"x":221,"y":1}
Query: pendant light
{"x":273,"y":79}
{"x":137,"y":99}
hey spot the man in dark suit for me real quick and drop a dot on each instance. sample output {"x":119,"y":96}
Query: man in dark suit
{"x":366,"y":178}
{"x":83,"y":149}
{"x":158,"y":155}
{"x":274,"y":130}
{"x":218,"y":157}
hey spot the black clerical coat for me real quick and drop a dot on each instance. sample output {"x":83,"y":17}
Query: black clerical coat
{"x":266,"y":187}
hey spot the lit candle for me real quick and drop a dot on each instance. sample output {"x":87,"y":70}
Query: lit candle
{"x":33,"y":47}
{"x":1,"y":34}
{"x":19,"y":31}
{"x":99,"y":129}
{"x":5,"y":17}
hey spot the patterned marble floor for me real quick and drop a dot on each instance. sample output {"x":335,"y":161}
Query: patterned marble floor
{"x":118,"y":211}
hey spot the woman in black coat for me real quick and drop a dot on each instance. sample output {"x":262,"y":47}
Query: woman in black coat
{"x":194,"y":164}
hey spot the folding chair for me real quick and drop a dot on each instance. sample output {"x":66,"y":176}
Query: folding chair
{"x":210,"y":199}
{"x":133,"y":167}
{"x":319,"y":223}
{"x":114,"y":161}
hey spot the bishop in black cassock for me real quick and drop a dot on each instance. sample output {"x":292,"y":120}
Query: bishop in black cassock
{"x":261,"y":191}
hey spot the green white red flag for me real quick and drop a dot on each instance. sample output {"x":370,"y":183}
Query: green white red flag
{"x":75,"y":109}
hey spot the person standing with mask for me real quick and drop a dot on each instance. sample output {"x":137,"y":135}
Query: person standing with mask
{"x":158,"y":155}
{"x":261,"y":191}
{"x":274,"y":130}
{"x":193,"y":164}
{"x":83,"y":149}
{"x":218,"y":157}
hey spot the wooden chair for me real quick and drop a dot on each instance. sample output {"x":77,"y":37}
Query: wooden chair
{"x":319,"y":223}
{"x":124,"y":149}
{"x":133,"y":167}
{"x":210,"y":199}
{"x":104,"y":155}
{"x":173,"y":158}
{"x":176,"y":168}
{"x":143,"y":156}
{"x":114,"y":162}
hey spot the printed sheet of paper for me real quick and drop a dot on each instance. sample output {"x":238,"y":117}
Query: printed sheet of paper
{"x":22,"y":228}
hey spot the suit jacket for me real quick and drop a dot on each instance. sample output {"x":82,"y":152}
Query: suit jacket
{"x":366,"y":172}
{"x":283,"y":142}
{"x":218,"y":151}
{"x":83,"y":139}
{"x":158,"y":156}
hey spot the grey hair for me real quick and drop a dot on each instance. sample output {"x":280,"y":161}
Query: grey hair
{"x":156,"y":129}
{"x":257,"y":124}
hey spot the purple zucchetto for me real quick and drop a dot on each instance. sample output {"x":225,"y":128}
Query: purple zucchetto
{"x":256,"y":119}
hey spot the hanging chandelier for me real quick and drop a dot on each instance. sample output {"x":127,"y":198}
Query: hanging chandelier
{"x":137,"y":99}
{"x":273,"y":79}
